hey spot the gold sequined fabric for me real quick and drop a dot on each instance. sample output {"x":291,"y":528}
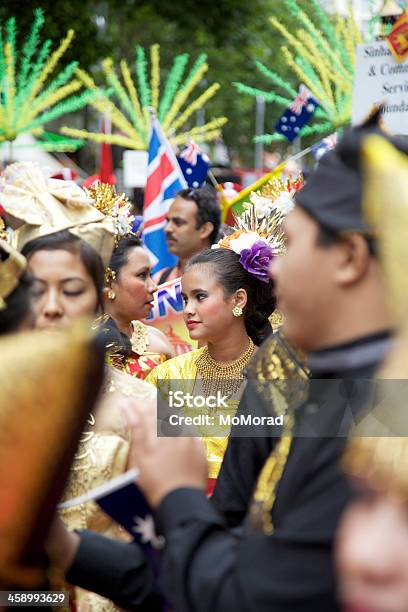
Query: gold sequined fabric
{"x":102,"y":455}
{"x":105,"y":457}
{"x":279,"y":363}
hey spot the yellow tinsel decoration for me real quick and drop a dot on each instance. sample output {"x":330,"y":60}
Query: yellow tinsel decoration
{"x":198,"y":103}
{"x":182,"y":96}
{"x":55,"y":97}
{"x":11,"y":83}
{"x":50,"y":65}
{"x":131,"y":113}
{"x":155,"y":78}
{"x":132,"y":91}
{"x":115,"y":139}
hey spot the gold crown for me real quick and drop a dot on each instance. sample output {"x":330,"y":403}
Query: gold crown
{"x":11,"y":268}
{"x":265,"y":212}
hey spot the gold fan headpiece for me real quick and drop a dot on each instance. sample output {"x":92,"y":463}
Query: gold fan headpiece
{"x":264,"y":213}
{"x":37,"y":206}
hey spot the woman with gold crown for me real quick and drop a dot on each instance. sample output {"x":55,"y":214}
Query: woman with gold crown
{"x":128,"y":299}
{"x":61,"y":233}
{"x":128,"y":296}
{"x":228,"y":299}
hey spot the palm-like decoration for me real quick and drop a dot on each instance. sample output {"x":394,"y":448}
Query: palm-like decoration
{"x":136,"y":94}
{"x":321,"y":54}
{"x":31,"y":92}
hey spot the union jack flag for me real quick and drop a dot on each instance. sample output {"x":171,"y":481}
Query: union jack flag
{"x":164,"y":181}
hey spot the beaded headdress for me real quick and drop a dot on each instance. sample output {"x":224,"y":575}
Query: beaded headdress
{"x":258,"y":235}
{"x":12,"y":265}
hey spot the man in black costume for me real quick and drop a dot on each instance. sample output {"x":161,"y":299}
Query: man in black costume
{"x":291,"y":488}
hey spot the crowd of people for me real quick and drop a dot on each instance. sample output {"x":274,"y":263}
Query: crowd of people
{"x":305,"y":512}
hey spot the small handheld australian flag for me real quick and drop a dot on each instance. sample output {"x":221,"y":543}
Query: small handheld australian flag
{"x":194,"y":165}
{"x":297,"y":114}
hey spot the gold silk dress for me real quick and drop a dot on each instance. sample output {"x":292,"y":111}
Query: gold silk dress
{"x":102,"y":455}
{"x":215,"y":439}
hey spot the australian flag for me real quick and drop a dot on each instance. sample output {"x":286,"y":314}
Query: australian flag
{"x":164,"y":181}
{"x":297,"y":114}
{"x":194,"y":164}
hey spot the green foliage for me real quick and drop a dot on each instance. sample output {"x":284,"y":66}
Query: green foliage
{"x":232,"y":32}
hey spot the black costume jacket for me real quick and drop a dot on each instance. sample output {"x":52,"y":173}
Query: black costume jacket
{"x":209,"y":566}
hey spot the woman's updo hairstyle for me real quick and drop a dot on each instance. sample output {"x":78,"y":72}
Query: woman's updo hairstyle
{"x":119,"y":257}
{"x":232,"y":276}
{"x":65,"y":241}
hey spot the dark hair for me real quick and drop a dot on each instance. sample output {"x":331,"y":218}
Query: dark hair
{"x":208,"y":209}
{"x":18,"y":306}
{"x":66,"y":241}
{"x":120,"y":254}
{"x":233,"y":276}
{"x":327,"y":237}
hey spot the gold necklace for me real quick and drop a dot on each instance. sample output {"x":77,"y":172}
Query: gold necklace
{"x":226,"y":378}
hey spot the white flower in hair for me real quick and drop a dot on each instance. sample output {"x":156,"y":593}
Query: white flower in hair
{"x":275,"y":197}
{"x":263,"y":206}
{"x":284,"y":203}
{"x":245,"y":241}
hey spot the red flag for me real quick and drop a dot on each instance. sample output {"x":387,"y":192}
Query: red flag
{"x":105,"y":156}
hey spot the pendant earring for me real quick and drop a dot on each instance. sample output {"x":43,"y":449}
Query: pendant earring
{"x":237,"y":311}
{"x":111,"y":295}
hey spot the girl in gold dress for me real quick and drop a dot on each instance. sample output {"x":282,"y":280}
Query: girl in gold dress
{"x":68,"y":283}
{"x":61,"y":233}
{"x":228,"y":297}
{"x":128,"y":299}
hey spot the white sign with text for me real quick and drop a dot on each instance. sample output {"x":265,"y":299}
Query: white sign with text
{"x":380,"y":79}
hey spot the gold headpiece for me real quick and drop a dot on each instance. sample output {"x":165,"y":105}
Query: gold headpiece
{"x":385,"y":205}
{"x":380,"y":455}
{"x":114,"y":205}
{"x":264,"y":213}
{"x":38,"y":206}
{"x":41,"y":424}
{"x":277,"y":195}
{"x":12,"y":265}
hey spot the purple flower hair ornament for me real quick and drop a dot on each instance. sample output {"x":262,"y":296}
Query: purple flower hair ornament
{"x":255,"y":254}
